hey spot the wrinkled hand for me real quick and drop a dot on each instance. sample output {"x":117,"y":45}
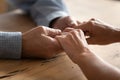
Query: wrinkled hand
{"x":40,"y":43}
{"x":65,"y":22}
{"x":73,"y":43}
{"x":98,"y":32}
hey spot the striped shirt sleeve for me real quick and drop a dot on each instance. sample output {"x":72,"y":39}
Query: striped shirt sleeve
{"x":10,"y":45}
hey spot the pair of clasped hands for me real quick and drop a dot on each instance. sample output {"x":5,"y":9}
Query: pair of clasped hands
{"x":67,"y":35}
{"x":73,"y":37}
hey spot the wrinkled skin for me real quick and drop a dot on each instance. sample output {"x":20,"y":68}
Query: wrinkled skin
{"x":64,"y":22}
{"x":40,"y":43}
{"x":98,"y":32}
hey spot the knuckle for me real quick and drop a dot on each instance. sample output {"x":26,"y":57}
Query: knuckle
{"x":81,"y":32}
{"x":91,"y":23}
{"x":74,"y":32}
{"x":69,"y":35}
{"x":92,"y":19}
{"x":41,"y":28}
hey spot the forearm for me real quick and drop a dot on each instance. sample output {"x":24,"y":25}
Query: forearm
{"x":24,"y":5}
{"x":96,"y":69}
{"x":44,"y":11}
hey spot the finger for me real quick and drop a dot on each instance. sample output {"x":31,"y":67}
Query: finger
{"x":78,"y":23}
{"x":82,"y":36}
{"x":98,"y":21}
{"x":63,"y":35}
{"x":47,"y":38}
{"x":68,"y":29}
{"x":81,"y":33}
{"x":54,"y":42}
{"x":46,"y":31}
{"x":86,"y":26}
{"x":85,"y":33}
{"x":79,"y":38}
{"x":65,"y":40}
{"x":52,"y":32}
{"x":61,"y":40}
{"x":76,"y":36}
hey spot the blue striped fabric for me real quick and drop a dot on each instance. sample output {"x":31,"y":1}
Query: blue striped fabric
{"x":42,"y":11}
{"x":10,"y":45}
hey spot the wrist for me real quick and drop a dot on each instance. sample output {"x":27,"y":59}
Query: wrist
{"x":83,"y":55}
{"x":51,"y":25}
{"x":24,"y":46}
{"x":86,"y":58}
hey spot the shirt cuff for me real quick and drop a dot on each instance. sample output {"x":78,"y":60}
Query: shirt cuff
{"x":50,"y":17}
{"x":10,"y":45}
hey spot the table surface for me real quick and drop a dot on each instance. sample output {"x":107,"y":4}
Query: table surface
{"x":60,"y":67}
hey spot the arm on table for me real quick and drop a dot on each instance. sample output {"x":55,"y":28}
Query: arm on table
{"x":38,"y":42}
{"x":52,"y":13}
{"x":10,"y":45}
{"x":94,"y":68}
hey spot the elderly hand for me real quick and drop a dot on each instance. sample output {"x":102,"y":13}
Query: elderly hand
{"x":76,"y":47}
{"x":64,"y":22}
{"x":98,"y":32}
{"x":73,"y":43}
{"x":40,"y":43}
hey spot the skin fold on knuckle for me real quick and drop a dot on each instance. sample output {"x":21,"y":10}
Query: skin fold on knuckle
{"x":42,"y":29}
